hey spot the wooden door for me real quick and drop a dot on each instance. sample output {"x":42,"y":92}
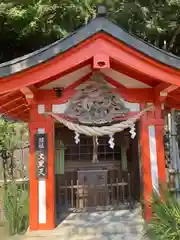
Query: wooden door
{"x":93,"y":187}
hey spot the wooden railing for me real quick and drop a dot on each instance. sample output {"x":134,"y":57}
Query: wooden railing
{"x":75,"y":196}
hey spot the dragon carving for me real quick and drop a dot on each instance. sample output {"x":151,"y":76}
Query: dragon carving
{"x":96,"y":104}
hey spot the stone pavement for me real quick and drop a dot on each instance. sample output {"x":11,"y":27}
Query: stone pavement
{"x":107,"y":225}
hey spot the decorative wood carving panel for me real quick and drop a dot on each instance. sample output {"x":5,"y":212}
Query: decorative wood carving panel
{"x":96,"y":104}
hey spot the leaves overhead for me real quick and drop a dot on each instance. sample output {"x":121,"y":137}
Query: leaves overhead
{"x":29,"y":25}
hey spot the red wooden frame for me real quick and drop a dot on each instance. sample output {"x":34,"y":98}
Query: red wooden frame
{"x":140,"y":64}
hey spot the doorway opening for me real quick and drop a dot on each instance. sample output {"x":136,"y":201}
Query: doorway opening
{"x":81,"y":183}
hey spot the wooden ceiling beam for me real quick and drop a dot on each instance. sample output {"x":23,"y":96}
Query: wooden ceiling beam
{"x":165,"y":87}
{"x":172,"y":103}
{"x":132,"y":62}
{"x":113,"y":82}
{"x":29,"y":93}
{"x":131,"y":94}
{"x":175,"y":98}
{"x":126,"y":70}
{"x":62,"y":74}
{"x":6,"y":103}
{"x":163,"y":90}
{"x":15,"y":109}
{"x":23,"y":116}
{"x":9,"y":94}
{"x":78,"y":82}
{"x":25,"y":112}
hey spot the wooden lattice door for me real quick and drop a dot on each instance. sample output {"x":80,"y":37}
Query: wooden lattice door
{"x":93,"y":190}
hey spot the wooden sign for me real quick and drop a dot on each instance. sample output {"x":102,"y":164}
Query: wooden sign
{"x":41,"y":148}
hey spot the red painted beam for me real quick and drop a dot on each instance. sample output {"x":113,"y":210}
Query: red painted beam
{"x":6,"y":103}
{"x":19,"y":115}
{"x":46,"y":96}
{"x":172,"y":104}
{"x":141,"y":63}
{"x":138,"y":65}
{"x":165,"y":87}
{"x":126,"y":70}
{"x":9,"y":94}
{"x":131,"y":95}
{"x":79,"y":82}
{"x":113,"y":82}
{"x":161,"y":86}
{"x":23,"y":118}
{"x":23,"y":113}
{"x":9,"y":108}
{"x":176,"y":92}
{"x":62,"y":74}
{"x":139,"y":95}
{"x":174,"y":97}
{"x":8,"y":98}
{"x":171,"y":88}
{"x":15,"y":109}
{"x":33,"y":89}
{"x":164,"y":90}
{"x":29,"y":93}
{"x":46,"y":71}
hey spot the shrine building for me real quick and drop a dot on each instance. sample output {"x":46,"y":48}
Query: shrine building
{"x":95,"y":103}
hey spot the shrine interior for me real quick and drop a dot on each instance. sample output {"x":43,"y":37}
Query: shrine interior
{"x":74,"y":167}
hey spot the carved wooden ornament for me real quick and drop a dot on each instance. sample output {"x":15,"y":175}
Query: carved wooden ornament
{"x":96,"y":103}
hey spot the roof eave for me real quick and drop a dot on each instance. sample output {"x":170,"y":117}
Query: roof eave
{"x":95,"y":26}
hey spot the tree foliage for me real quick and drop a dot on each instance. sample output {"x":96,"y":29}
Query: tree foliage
{"x":13,"y":135}
{"x":29,"y":25}
{"x":16,"y":208}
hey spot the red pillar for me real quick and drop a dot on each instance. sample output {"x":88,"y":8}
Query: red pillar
{"x":33,"y":221}
{"x":146,"y":167}
{"x":152,"y":150}
{"x":41,"y":217}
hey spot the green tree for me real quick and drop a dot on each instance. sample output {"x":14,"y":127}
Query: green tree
{"x":13,"y":135}
{"x":29,"y":25}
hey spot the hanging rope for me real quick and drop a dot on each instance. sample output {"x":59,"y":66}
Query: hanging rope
{"x":104,"y":130}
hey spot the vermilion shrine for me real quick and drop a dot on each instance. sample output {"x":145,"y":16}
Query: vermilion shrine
{"x":95,"y":101}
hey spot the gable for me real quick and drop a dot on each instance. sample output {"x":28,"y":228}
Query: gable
{"x":100,"y":24}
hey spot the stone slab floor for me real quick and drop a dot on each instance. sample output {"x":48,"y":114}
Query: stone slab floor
{"x":107,"y":225}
